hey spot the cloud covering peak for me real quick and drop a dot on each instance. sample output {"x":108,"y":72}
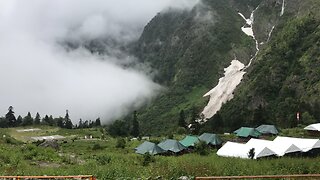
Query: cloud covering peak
{"x":38,"y":74}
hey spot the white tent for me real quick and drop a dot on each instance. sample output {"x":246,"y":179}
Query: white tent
{"x":261,"y":147}
{"x":232,"y":149}
{"x":313,"y":127}
{"x":304,"y":144}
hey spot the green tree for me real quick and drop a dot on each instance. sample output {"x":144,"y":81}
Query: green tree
{"x":98,"y":122}
{"x":67,"y":122}
{"x":3,"y":122}
{"x":10,"y":117}
{"x":182,"y":119}
{"x":19,"y":120}
{"x":27,"y":120}
{"x":135,"y":125}
{"x":37,"y":119}
{"x":118,"y":128}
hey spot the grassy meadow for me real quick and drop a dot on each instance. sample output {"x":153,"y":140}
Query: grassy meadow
{"x":76,"y":155}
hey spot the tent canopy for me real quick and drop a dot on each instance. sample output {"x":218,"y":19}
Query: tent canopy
{"x":189,"y":141}
{"x":247,"y":132}
{"x":149,"y":147}
{"x":313,"y":127}
{"x":267,"y":129}
{"x":302,"y":143}
{"x":212,"y":139}
{"x":232,"y":149}
{"x":172,"y":145}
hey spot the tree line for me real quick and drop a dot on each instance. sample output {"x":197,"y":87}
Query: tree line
{"x":10,"y":120}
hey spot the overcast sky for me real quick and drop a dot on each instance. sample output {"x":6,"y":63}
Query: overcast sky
{"x":38,"y":75}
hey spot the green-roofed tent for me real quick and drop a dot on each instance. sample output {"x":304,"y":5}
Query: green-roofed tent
{"x":189,"y":141}
{"x":267,"y":129}
{"x":247,"y":132}
{"x":211,"y":139}
{"x":149,"y":147}
{"x":172,"y":145}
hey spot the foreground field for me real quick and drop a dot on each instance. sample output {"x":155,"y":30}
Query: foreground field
{"x":101,"y":158}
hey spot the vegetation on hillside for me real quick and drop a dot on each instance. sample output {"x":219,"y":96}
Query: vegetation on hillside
{"x":189,"y":50}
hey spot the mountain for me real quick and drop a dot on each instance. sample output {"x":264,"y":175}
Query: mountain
{"x":190,"y":49}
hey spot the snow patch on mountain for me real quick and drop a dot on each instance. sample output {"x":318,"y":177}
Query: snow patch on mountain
{"x":233,"y":75}
{"x":223,"y":92}
{"x":282,"y":8}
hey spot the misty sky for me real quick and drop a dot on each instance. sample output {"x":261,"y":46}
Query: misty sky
{"x":37,"y":74}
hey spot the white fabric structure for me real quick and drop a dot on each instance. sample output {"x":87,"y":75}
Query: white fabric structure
{"x":313,"y":127}
{"x":232,"y":149}
{"x":260,"y":147}
{"x":304,"y":144}
{"x":282,"y":147}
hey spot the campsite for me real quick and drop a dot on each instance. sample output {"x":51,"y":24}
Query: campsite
{"x":105,"y":157}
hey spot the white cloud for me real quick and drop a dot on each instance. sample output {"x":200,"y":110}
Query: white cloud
{"x":38,"y":75}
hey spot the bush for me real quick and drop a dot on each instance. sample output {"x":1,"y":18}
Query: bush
{"x":147,"y":159}
{"x":97,"y":146}
{"x":121,"y":143}
{"x":202,"y":148}
{"x":103,"y":159}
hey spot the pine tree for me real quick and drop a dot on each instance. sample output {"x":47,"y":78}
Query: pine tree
{"x":182,"y":122}
{"x":60,"y":122}
{"x":37,"y":119}
{"x":27,"y":120}
{"x":19,"y":120}
{"x":135,"y":125}
{"x":45,"y":120}
{"x":67,"y":122}
{"x":98,"y":122}
{"x":11,"y":119}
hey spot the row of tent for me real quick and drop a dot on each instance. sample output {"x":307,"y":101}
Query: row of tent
{"x":280,"y":146}
{"x":245,"y":132}
{"x":174,"y":146}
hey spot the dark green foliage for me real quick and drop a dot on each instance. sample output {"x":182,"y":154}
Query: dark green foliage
{"x":147,"y":159}
{"x":284,"y":79}
{"x":37,"y":119}
{"x":182,"y":119}
{"x":27,"y":120}
{"x":189,"y":49}
{"x":118,"y":128}
{"x":4,"y":122}
{"x":97,"y":146}
{"x":11,"y":119}
{"x":251,"y":153}
{"x":202,"y":148}
{"x":67,"y":122}
{"x":19,"y":120}
{"x":103,"y":159}
{"x":97,"y":122}
{"x":135,"y":131}
{"x":121,"y":143}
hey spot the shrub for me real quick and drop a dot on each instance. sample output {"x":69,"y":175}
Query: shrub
{"x":97,"y":146}
{"x":121,"y":143}
{"x":103,"y":159}
{"x":202,"y":148}
{"x":147,"y":159}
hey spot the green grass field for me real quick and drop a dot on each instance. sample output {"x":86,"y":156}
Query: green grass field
{"x":101,"y":158}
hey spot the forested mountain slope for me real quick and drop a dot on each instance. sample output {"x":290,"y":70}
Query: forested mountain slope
{"x":190,"y":49}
